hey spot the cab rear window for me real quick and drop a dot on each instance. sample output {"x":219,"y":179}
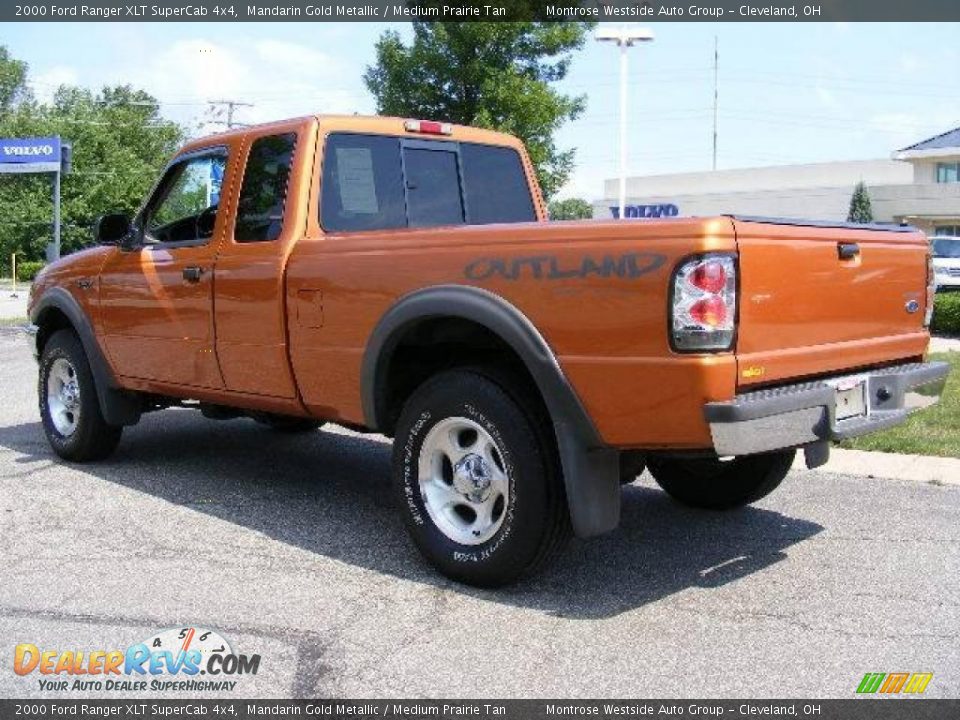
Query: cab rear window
{"x":375,"y":182}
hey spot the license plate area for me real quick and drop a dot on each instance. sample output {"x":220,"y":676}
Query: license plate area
{"x":850,"y":399}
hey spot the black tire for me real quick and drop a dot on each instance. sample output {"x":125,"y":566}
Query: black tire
{"x":534,"y":522}
{"x":287,"y":424}
{"x":721,"y":484}
{"x":90,"y":438}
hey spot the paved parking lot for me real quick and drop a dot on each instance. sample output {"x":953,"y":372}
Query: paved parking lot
{"x":289,"y":547}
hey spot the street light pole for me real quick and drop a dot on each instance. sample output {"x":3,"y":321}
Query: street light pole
{"x":624,"y":37}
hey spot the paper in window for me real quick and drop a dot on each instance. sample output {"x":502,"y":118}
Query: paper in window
{"x":358,"y":190}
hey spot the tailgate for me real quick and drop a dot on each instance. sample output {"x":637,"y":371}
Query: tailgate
{"x":820,"y":298}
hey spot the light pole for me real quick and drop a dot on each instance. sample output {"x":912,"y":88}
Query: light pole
{"x":624,"y":37}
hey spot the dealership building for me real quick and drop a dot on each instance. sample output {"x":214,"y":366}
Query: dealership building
{"x":919,"y":185}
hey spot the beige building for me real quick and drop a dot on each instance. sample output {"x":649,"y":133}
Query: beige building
{"x":919,"y":185}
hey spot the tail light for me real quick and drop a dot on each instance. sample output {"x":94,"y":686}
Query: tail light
{"x":931,"y":291}
{"x":704,"y":304}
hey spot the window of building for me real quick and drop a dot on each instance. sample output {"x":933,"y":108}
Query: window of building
{"x":948,"y":172}
{"x":264,"y":190}
{"x":947,"y":231}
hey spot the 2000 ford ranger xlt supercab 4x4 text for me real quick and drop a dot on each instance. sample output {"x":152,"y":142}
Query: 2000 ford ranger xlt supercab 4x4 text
{"x":400,"y":276}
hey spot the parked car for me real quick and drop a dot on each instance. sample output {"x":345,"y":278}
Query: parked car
{"x":946,"y":262}
{"x":400,"y":276}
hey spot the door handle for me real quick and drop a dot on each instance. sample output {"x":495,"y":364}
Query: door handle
{"x":847,"y":251}
{"x":192,"y":273}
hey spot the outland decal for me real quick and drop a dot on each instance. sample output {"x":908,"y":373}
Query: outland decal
{"x":628,"y":266}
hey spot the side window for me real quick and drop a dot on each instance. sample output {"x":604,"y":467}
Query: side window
{"x":433,"y":187}
{"x":185,"y":206}
{"x":362,"y":183}
{"x":264,"y":190}
{"x":495,"y":185}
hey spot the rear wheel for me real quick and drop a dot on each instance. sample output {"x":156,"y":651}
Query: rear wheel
{"x":718,"y":484}
{"x":477,"y":479}
{"x":69,"y":408}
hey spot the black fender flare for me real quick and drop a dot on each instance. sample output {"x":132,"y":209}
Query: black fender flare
{"x":118,"y":407}
{"x":590,"y":468}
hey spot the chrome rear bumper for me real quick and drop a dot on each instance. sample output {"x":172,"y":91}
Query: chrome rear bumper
{"x":795,"y":415}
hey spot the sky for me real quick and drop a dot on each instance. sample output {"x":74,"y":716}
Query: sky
{"x":788,"y":92}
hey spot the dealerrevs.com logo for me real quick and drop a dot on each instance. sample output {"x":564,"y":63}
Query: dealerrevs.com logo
{"x":186,"y":659}
{"x":894,"y":683}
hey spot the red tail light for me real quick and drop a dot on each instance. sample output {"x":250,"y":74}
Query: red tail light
{"x":709,"y":276}
{"x":931,"y":291}
{"x":704,"y":304}
{"x":711,"y":312}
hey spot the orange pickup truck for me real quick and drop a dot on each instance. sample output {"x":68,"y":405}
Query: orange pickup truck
{"x":401,"y":277}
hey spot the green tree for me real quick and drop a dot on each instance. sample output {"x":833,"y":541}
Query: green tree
{"x":571,"y":209}
{"x":120,"y":144}
{"x":13,"y":81}
{"x":492,"y":75}
{"x":861,"y":210}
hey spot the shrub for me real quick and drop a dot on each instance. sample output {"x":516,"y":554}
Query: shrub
{"x":28,"y":269}
{"x":946,"y":314}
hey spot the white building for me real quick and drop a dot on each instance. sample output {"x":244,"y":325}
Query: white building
{"x":920,"y":185}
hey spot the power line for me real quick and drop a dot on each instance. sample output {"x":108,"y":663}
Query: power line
{"x":230,"y":106}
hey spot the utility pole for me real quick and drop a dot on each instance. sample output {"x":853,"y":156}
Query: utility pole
{"x":716,"y":64}
{"x":230,"y":105}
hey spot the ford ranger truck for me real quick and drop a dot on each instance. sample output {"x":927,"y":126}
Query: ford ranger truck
{"x":401,"y":277}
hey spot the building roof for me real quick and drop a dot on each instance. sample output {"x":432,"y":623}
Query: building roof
{"x":949,"y":139}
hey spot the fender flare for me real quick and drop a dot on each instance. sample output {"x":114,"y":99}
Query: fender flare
{"x":118,"y":407}
{"x":590,"y":468}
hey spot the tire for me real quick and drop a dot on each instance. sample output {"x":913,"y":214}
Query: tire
{"x":69,"y":408}
{"x":287,"y":424}
{"x":721,"y":484}
{"x":477,"y":478}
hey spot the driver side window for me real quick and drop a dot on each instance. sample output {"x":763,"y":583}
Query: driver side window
{"x":185,"y":208}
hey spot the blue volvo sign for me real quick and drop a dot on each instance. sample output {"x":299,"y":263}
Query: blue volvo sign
{"x":25,"y":155}
{"x":647,"y":211}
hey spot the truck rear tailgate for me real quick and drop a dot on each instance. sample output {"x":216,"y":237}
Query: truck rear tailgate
{"x":818,"y":298}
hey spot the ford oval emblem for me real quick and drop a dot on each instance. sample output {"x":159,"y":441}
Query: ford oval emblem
{"x":912,"y":306}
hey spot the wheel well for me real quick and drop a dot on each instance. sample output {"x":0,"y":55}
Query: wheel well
{"x":433,"y":345}
{"x":51,"y":320}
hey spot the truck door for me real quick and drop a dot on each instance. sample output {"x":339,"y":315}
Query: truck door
{"x":250,"y":311}
{"x":156,"y":298}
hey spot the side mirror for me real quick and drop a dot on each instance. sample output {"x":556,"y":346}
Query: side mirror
{"x":112,"y":229}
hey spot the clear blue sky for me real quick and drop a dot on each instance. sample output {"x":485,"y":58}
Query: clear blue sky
{"x":788,"y":92}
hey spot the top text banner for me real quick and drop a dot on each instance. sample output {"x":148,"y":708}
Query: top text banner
{"x":482,"y":11}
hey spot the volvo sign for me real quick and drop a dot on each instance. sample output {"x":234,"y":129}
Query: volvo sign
{"x":30,"y":155}
{"x":647,"y":211}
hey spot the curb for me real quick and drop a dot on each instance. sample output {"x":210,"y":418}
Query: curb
{"x":890,"y":466}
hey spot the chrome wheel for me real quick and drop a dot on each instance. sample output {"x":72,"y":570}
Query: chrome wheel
{"x":463,"y":481}
{"x":63,"y":396}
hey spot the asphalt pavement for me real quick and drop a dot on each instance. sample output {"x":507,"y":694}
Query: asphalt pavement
{"x":289,"y":547}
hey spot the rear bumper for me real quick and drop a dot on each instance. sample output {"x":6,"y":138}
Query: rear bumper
{"x":794,"y":415}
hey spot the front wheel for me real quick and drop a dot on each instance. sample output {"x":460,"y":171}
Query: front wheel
{"x":717,"y":484}
{"x":69,"y":408}
{"x":477,"y":479}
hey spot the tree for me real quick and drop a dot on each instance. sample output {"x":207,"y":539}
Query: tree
{"x":571,"y":209}
{"x":492,"y":75}
{"x":13,"y":81}
{"x":120,"y":144}
{"x":860,"y":209}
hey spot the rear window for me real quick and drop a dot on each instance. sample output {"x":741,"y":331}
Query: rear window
{"x":264,"y":190}
{"x":497,"y":190}
{"x":381,"y":182}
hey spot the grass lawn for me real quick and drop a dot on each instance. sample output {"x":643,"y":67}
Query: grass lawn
{"x":934,"y":431}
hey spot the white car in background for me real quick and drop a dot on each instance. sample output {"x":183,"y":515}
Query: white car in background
{"x":946,"y":262}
